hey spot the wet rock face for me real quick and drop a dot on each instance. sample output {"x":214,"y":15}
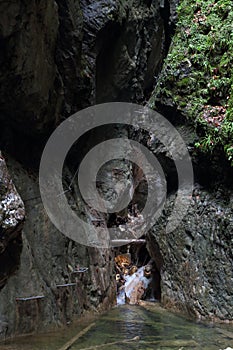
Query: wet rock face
{"x":196,"y":273}
{"x":57,"y":57}
{"x":62,"y":56}
{"x":120,"y":50}
{"x":29,"y":83}
{"x":195,"y":260}
{"x":12,"y":215}
{"x":57,"y":279}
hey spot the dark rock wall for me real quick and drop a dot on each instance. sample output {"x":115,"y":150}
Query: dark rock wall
{"x":47,"y":268}
{"x":196,"y":259}
{"x":108,"y":50}
{"x":29,"y":84}
{"x":62,"y":56}
{"x":58,"y":57}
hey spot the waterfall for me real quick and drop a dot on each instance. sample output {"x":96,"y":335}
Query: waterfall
{"x":121,"y":297}
{"x":134,"y":287}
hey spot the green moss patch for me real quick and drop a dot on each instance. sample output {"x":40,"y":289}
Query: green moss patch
{"x":197,"y":77}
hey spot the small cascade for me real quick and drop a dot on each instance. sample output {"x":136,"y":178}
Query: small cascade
{"x":121,"y":297}
{"x":133,"y":287}
{"x":136,"y":285}
{"x":137,"y":277}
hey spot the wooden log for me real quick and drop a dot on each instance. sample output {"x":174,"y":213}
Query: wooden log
{"x":67,"y":345}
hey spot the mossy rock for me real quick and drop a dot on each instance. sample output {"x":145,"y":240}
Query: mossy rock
{"x":198,"y":72}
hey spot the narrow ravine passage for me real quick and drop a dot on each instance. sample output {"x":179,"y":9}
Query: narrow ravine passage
{"x":56,"y":59}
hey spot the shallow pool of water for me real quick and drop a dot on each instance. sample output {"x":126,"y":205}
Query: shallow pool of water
{"x":154,"y":328}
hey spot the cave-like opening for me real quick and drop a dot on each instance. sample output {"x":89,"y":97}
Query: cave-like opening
{"x":137,"y":274}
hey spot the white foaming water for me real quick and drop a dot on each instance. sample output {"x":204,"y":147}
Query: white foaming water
{"x":132,"y":287}
{"x":121,"y":297}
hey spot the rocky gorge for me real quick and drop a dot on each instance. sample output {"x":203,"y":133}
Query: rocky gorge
{"x":58,"y":57}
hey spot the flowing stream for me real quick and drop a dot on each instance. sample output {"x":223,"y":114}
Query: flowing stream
{"x":153,"y":327}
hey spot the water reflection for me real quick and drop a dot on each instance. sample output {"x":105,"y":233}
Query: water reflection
{"x":157,"y":329}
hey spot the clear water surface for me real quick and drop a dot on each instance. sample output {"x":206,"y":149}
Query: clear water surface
{"x":154,"y":327}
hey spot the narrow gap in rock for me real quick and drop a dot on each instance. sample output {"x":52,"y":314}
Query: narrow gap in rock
{"x":137,"y":275}
{"x":169,"y":26}
{"x":108,"y":47}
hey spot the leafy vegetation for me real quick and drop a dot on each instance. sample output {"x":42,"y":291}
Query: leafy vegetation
{"x":197,"y":76}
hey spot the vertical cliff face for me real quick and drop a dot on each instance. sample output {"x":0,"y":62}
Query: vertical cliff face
{"x":195,"y":260}
{"x":58,"y":57}
{"x":29,"y":80}
{"x":108,"y":50}
{"x":195,"y":88}
{"x":56,"y":279}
